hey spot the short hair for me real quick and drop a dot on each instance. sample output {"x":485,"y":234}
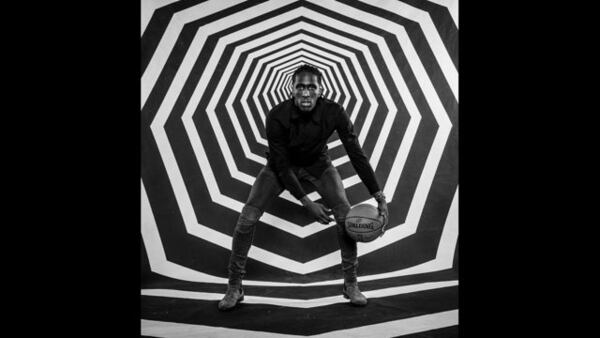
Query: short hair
{"x":307,"y":69}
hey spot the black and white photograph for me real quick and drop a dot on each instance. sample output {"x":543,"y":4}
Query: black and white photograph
{"x":299,"y":168}
{"x":292,"y":168}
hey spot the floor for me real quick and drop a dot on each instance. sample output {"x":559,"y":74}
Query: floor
{"x":423,"y":305}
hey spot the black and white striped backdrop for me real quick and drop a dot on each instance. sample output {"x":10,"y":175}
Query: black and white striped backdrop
{"x":211,"y":71}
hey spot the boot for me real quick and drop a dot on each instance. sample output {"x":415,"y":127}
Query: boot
{"x":351,"y":291}
{"x":233,"y":295}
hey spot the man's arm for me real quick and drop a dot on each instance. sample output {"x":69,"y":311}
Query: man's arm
{"x":360,"y":162}
{"x":280,"y":158}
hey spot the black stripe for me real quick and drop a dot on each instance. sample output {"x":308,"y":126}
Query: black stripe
{"x":382,"y":109}
{"x":229,"y":86}
{"x":422,"y":140}
{"x":419,"y":42}
{"x":227,"y":215}
{"x":161,"y":17}
{"x":269,"y":243}
{"x":375,"y":134}
{"x":252,"y":67}
{"x":237,"y":106}
{"x":447,"y":332}
{"x":372,"y":83}
{"x":240,"y":163}
{"x":163,"y":81}
{"x":443,"y":22}
{"x":296,"y":292}
{"x":326,"y":77}
{"x":309,"y":321}
{"x":165,"y":209}
{"x":218,"y":217}
{"x":156,"y":28}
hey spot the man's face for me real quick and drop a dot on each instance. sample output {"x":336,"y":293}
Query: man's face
{"x":306,"y":91}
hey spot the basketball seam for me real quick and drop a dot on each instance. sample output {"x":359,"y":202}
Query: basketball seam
{"x":372,"y":219}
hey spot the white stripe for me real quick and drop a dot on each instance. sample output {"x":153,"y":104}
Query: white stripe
{"x":413,"y":111}
{"x":423,"y":80}
{"x":310,"y":39}
{"x":242,"y":74}
{"x":160,"y":265}
{"x":431,"y":34}
{"x":338,"y":142}
{"x":430,"y":30}
{"x":283,"y":76}
{"x":301,"y":37}
{"x":393,"y":328}
{"x":298,"y":38}
{"x":327,"y":76}
{"x":229,"y":105}
{"x":229,"y":158}
{"x":286,"y":75}
{"x":329,"y":80}
{"x":341,"y":160}
{"x":428,"y":90}
{"x":318,"y":64}
{"x":156,"y":254}
{"x":300,"y":303}
{"x":206,"y":233}
{"x":445,"y":252}
{"x":270,"y":48}
{"x":180,"y":190}
{"x":452,"y":6}
{"x":222,"y":139}
{"x":399,"y":327}
{"x":147,"y":9}
{"x":389,"y":62}
{"x":167,"y":42}
{"x":288,"y":85}
{"x":276,"y":66}
{"x":157,"y":328}
{"x":284,"y":85}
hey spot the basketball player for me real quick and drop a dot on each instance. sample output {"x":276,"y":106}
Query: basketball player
{"x":297,"y":133}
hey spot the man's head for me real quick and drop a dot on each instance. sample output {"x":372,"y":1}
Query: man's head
{"x":306,"y":82}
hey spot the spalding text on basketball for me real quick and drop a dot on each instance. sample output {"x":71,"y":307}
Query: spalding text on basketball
{"x":370,"y":225}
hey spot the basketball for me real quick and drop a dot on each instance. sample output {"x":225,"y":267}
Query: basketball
{"x":363,"y":223}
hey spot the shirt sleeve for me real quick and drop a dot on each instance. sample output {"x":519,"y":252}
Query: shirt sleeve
{"x":359,"y":161}
{"x":279,"y":157}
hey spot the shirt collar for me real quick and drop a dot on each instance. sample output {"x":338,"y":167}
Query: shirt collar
{"x":316,"y":112}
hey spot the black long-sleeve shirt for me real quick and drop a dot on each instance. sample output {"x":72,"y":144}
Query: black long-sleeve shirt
{"x":300,"y":139}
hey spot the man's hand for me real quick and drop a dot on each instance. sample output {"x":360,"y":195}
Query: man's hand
{"x":317,"y":210}
{"x":383,"y":209}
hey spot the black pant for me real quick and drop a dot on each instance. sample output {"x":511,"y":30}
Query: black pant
{"x":265,"y":188}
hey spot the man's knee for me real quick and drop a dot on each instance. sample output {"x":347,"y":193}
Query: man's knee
{"x":340,"y":211}
{"x":265,"y":188}
{"x":330,"y":173}
{"x":248,"y":218}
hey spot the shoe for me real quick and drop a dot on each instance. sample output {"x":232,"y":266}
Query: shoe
{"x":351,"y":291}
{"x":231,"y":298}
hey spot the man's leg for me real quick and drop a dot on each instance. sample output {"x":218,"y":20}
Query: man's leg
{"x":265,"y":188}
{"x":332,"y":190}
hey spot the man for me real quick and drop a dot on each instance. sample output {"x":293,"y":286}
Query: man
{"x":297,"y":133}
